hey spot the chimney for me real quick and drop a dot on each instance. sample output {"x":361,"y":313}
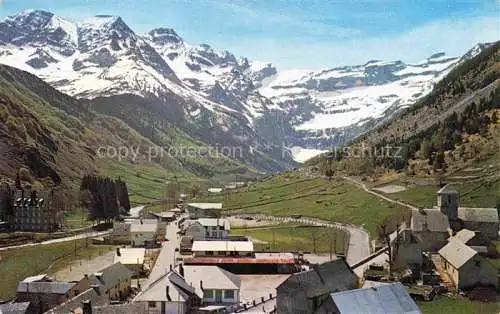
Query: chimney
{"x":170,"y":267}
{"x":141,"y":221}
{"x":181,"y":270}
{"x":118,"y":252}
{"x":87,"y":307}
{"x":167,"y":291}
{"x":201,"y":285}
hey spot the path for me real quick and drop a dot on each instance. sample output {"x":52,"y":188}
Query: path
{"x":379,"y":195}
{"x":359,"y":239}
{"x":85,"y":235}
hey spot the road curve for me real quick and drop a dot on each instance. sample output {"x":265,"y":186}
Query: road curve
{"x":359,"y":239}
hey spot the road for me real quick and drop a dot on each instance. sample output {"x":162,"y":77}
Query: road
{"x":167,"y":253}
{"x":91,"y":234}
{"x":359,"y":239}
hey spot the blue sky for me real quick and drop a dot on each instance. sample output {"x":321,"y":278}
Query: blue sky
{"x":302,"y":33}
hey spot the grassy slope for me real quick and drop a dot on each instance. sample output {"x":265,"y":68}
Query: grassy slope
{"x":16,"y":264}
{"x":286,"y":238}
{"x":458,"y":305}
{"x":289,"y":194}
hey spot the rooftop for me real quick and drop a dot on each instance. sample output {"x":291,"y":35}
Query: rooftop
{"x":448,"y":189}
{"x":130,"y":256}
{"x":14,"y":307}
{"x":178,"y":289}
{"x":110,"y":276}
{"x":389,"y":298}
{"x":478,"y":214}
{"x":321,"y":279}
{"x":237,"y":260}
{"x":431,"y":219}
{"x":226,"y":246}
{"x":144,"y":227}
{"x":215,"y":222}
{"x":457,"y":253}
{"x":54,"y":287}
{"x":213,"y":277}
{"x":206,"y":205}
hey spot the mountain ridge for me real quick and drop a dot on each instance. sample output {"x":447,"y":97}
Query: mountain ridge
{"x":247,"y":103}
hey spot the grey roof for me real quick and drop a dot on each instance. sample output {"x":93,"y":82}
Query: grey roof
{"x":478,"y":214}
{"x":206,"y":205}
{"x":75,"y":303}
{"x":213,"y":277}
{"x":178,"y":289}
{"x":214,"y":222}
{"x":14,"y":307}
{"x":110,"y":276}
{"x":384,"y":299}
{"x":465,"y":235}
{"x":431,"y":219}
{"x":457,"y":253}
{"x":322,"y":279}
{"x":54,"y":287}
{"x":448,"y":189}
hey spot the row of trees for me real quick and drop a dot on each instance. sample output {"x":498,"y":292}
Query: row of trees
{"x":104,"y":198}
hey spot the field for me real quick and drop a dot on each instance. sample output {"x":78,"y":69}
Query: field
{"x":294,"y":238}
{"x":289,"y":194}
{"x":145,"y":182}
{"x":472,"y":194}
{"x":458,"y":305}
{"x":16,"y":264}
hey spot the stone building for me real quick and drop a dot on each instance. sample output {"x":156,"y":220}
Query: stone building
{"x":306,"y":291}
{"x":466,"y":267}
{"x":484,"y":220}
{"x":35,"y":212}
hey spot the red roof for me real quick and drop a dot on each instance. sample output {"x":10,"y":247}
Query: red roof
{"x":238,"y":260}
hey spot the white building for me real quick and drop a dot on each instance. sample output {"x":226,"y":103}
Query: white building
{"x":222,"y":248}
{"x":143,"y":233}
{"x":169,"y":294}
{"x":204,"y":210}
{"x":214,"y":285}
{"x":132,"y":258}
{"x":215,"y":190}
{"x":203,"y":228}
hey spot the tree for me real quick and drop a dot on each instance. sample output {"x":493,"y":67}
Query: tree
{"x":384,"y":230}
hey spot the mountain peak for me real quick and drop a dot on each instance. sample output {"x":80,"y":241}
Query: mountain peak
{"x":164,"y":35}
{"x":106,"y":22}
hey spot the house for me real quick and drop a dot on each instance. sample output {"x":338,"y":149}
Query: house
{"x":214,"y":285}
{"x":473,"y":239}
{"x":484,"y":220}
{"x":143,"y":233}
{"x":306,"y":291}
{"x":167,"y":216}
{"x":215,"y":190}
{"x":387,"y":298}
{"x":207,"y":228}
{"x":222,"y":248}
{"x":204,"y":210}
{"x":407,"y":250}
{"x":35,"y":212}
{"x":75,"y":305}
{"x":16,"y":308}
{"x":475,"y":219}
{"x":45,"y":293}
{"x":431,"y":227}
{"x":132,"y":258}
{"x":113,"y":281}
{"x":465,"y":267}
{"x":169,"y":293}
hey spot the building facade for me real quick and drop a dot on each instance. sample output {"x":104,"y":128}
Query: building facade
{"x":35,"y":213}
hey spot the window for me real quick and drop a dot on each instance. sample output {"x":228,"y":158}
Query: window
{"x":152,"y":304}
{"x":228,"y":294}
{"x":208,"y":294}
{"x":209,"y":253}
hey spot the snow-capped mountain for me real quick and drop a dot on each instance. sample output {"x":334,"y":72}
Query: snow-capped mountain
{"x":227,"y":99}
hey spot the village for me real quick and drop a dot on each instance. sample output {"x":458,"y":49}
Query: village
{"x":186,"y":260}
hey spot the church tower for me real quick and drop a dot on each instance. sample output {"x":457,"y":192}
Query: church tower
{"x":447,"y":200}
